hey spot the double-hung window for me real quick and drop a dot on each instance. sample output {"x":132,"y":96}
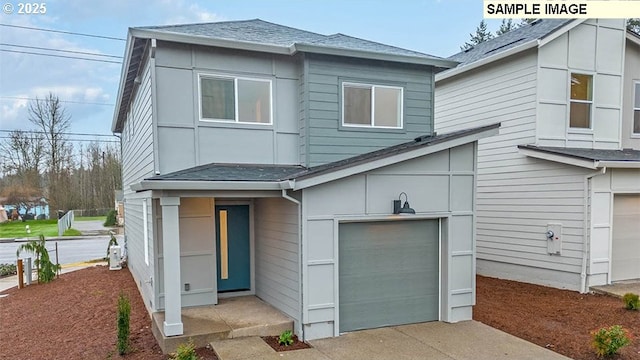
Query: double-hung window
{"x":238,"y":100}
{"x":371,"y":106}
{"x":581,"y":101}
{"x":636,"y":108}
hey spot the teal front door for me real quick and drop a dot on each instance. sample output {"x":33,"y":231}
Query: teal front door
{"x":233,"y":248}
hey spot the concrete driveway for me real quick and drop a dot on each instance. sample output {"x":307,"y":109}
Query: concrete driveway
{"x":435,"y":340}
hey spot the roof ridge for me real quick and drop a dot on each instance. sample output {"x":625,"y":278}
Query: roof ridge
{"x":379,"y":43}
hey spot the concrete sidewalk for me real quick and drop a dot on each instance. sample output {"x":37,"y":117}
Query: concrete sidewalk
{"x":9,"y":282}
{"x":619,"y":288}
{"x":469,"y":340}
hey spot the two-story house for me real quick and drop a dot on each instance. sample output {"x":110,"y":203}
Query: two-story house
{"x":558,"y":197}
{"x":262,"y":160}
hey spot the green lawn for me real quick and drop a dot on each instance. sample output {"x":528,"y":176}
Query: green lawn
{"x":16,"y":229}
{"x":90,"y":218}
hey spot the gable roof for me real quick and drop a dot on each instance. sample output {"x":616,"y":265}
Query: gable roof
{"x":260,"y":36}
{"x":217,"y":176}
{"x":515,"y":41}
{"x":590,"y":158}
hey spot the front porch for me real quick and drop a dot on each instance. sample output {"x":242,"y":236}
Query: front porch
{"x":619,"y":288}
{"x":232,"y":318}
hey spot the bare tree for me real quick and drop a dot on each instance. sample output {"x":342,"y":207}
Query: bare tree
{"x":21,"y":155}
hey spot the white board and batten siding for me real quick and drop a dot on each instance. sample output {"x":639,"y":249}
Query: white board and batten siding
{"x":595,"y":47}
{"x":137,"y":164}
{"x":439,"y":186}
{"x":277,"y":259}
{"x":631,"y":78}
{"x":185,"y":141}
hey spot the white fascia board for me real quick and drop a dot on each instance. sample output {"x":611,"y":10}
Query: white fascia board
{"x":208,"y":41}
{"x":620,"y":164}
{"x":474,"y":65}
{"x":556,"y":34}
{"x":564,"y":159}
{"x":390,"y":160}
{"x":123,"y":78}
{"x":205,"y":185}
{"x":633,"y":38}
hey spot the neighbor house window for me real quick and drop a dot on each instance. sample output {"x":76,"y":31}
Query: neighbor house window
{"x":371,"y":105}
{"x":235,"y":99}
{"x":636,"y":108}
{"x":581,"y":101}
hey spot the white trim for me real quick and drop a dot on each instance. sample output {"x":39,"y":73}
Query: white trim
{"x":559,"y":32}
{"x":207,"y":185}
{"x":589,"y":129}
{"x":633,"y":38}
{"x":636,"y":107}
{"x":373,"y":87}
{"x":619,"y":164}
{"x":589,"y":164}
{"x":145,"y":231}
{"x":237,"y":120}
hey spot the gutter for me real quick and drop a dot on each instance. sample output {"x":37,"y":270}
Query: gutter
{"x":587,"y":230}
{"x":208,"y":185}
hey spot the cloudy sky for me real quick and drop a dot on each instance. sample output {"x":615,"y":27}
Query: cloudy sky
{"x":89,"y":88}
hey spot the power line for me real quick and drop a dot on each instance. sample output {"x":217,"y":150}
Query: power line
{"x":59,"y":50}
{"x":87,"y":140}
{"x":64,"y":32}
{"x":60,"y":56}
{"x":63,"y":133}
{"x":64,"y":101}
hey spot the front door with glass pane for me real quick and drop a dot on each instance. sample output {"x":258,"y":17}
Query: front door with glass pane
{"x":233,"y":248}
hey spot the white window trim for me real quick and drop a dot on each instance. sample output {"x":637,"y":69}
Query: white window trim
{"x":235,"y":94}
{"x":373,"y":105}
{"x":635,"y":107}
{"x":592,"y":102}
{"x":145,"y":231}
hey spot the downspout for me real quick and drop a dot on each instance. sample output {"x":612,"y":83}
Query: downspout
{"x":297,"y":202}
{"x":587,"y":228}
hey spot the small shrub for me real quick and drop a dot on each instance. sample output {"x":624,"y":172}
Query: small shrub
{"x":124,"y":312}
{"x":286,"y":338}
{"x":8,"y":269}
{"x":608,"y":341}
{"x":111,"y":218}
{"x":185,"y":351}
{"x":46,"y":269}
{"x":631,"y":301}
{"x":112,"y":242}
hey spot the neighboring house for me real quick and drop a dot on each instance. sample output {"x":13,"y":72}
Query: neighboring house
{"x":567,"y":160}
{"x":36,"y":207}
{"x":264,"y":160}
{"x":119,"y":206}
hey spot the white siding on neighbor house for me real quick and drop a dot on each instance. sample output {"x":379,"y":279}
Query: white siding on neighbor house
{"x":277,"y":256}
{"x":184,"y":141}
{"x":631,"y":77}
{"x":438,"y":185}
{"x":137,"y":163}
{"x":595,"y":48}
{"x":516,"y":196}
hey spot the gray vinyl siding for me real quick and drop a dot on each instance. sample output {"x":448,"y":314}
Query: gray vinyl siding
{"x":517,"y":196}
{"x":327,"y":140}
{"x":137,"y":164}
{"x":277,"y":255}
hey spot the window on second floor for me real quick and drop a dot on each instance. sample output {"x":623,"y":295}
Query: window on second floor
{"x":636,"y":108}
{"x":581,"y":101}
{"x":371,"y":106}
{"x":235,"y":99}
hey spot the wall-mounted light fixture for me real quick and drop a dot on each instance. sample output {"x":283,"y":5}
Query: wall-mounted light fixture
{"x":404,"y":209}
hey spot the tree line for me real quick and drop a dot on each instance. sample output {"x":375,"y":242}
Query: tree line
{"x":483,"y":34}
{"x":44,"y":163}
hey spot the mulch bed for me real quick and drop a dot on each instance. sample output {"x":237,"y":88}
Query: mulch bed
{"x":297,"y":344}
{"x":560,"y":320}
{"x":74,"y":317}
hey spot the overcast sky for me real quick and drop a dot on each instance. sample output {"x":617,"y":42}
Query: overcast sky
{"x":436,"y":27}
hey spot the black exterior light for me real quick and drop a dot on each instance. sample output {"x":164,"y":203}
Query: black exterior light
{"x":405,"y":209}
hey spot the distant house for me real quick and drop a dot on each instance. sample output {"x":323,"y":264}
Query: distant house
{"x":35,"y":207}
{"x":119,"y":206}
{"x":264,"y":160}
{"x":559,"y":187}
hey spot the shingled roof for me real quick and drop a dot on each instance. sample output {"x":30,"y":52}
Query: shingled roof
{"x":589,"y":154}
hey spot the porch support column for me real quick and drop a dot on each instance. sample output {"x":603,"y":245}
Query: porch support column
{"x":171,"y":257}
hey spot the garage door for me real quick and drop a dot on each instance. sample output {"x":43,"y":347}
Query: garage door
{"x":625,"y":257}
{"x":388,"y":273}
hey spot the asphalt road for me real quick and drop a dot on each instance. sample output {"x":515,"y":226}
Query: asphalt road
{"x":70,"y":251}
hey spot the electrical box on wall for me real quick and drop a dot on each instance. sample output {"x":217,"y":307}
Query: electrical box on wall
{"x":554,"y":239}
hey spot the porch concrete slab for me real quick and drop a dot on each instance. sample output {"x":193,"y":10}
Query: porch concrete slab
{"x":231,"y":318}
{"x":619,"y":288}
{"x":474,"y":340}
{"x":383,"y":343}
{"x":241,"y":348}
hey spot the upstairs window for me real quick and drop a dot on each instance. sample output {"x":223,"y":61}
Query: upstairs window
{"x":636,"y":108}
{"x":581,"y":101}
{"x":371,"y":106}
{"x":235,"y":99}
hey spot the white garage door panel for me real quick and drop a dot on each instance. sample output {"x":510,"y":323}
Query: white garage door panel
{"x":625,"y":262}
{"x":388,"y":273}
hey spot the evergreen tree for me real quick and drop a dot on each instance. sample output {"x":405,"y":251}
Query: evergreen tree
{"x":506,"y":26}
{"x":633,"y":25}
{"x":481,"y":35}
